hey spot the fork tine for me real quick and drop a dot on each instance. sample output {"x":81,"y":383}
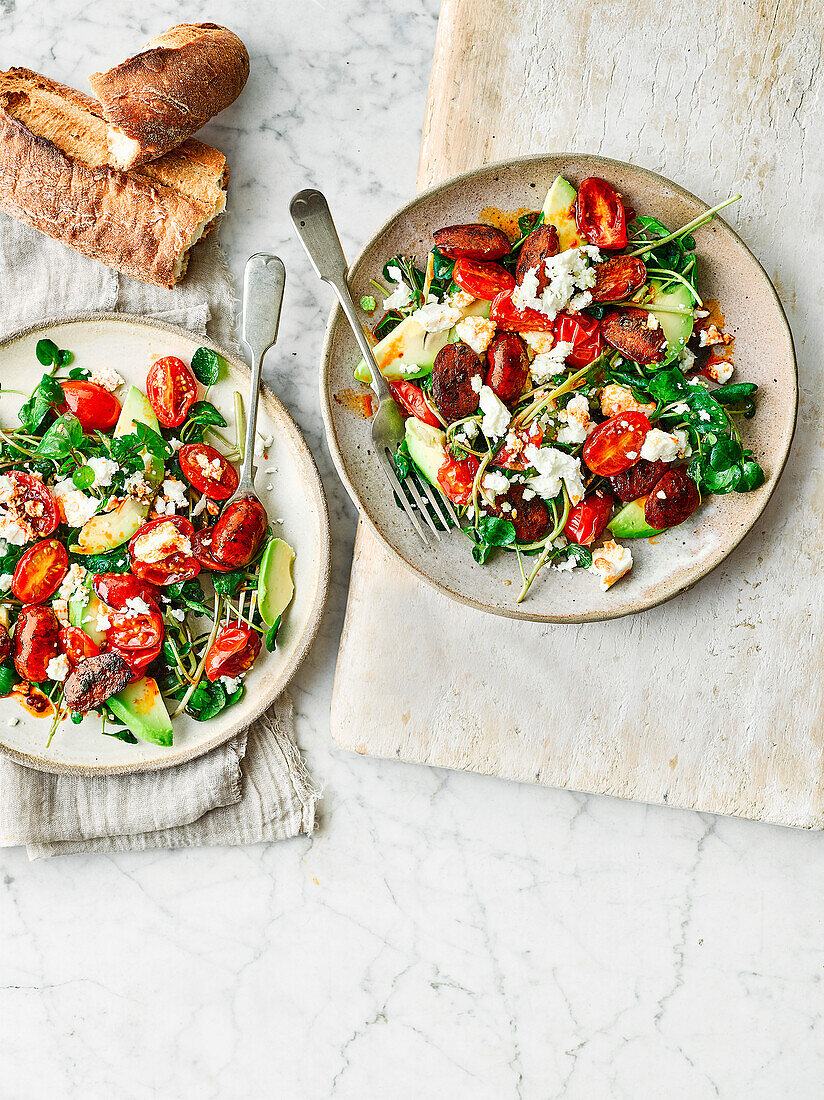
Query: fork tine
{"x":388,"y":469}
{"x":450,"y":511}
{"x":433,"y":500}
{"x":409,"y":482}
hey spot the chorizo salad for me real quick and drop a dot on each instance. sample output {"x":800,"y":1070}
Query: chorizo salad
{"x":111,"y":516}
{"x":566,"y":384}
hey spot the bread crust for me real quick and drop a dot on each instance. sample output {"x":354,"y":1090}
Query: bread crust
{"x":163,"y":95}
{"x":142,"y":223}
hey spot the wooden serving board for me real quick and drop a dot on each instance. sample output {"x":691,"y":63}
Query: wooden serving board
{"x":713,"y":701}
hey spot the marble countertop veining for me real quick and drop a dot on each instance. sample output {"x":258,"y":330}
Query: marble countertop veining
{"x":442,"y":934}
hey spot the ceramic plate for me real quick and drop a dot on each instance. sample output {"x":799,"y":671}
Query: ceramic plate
{"x":670,"y":563}
{"x":294,"y":494}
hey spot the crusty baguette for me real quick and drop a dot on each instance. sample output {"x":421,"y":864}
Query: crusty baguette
{"x":157,"y":99}
{"x":54,"y":177}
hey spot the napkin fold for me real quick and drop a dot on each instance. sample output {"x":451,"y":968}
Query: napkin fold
{"x":253,"y":788}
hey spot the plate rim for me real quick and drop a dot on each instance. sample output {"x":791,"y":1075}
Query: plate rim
{"x":336,"y":317}
{"x":318,"y":495}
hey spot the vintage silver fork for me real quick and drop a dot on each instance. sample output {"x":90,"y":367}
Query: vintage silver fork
{"x":317,"y":233}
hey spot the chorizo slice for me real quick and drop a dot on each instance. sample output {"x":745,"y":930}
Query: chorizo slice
{"x":94,"y":681}
{"x":36,"y":642}
{"x":508,"y":367}
{"x":627,"y":331}
{"x":617,"y":277}
{"x":672,"y":500}
{"x":453,"y":372}
{"x":530,"y":517}
{"x":540,"y":245}
{"x":639,"y":479}
{"x":472,"y":242}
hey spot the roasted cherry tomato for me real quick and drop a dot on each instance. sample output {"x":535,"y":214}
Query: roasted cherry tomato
{"x":36,"y":642}
{"x":138,"y":660}
{"x":237,"y":535}
{"x":40,"y":571}
{"x":600,"y":214}
{"x":584,"y":333}
{"x":588,"y":519}
{"x":128,"y":630}
{"x":233,"y":651}
{"x":114,"y":589}
{"x":172,"y":390}
{"x":456,"y":477}
{"x":616,"y":444}
{"x":34,"y":503}
{"x":95,"y":408}
{"x":511,"y":454}
{"x":482,"y":280}
{"x":207,"y":469}
{"x":77,"y":645}
{"x":507,"y":317}
{"x":202,"y":550}
{"x":411,"y":398}
{"x":169,"y":552}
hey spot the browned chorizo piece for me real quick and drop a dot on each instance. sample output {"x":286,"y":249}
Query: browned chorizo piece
{"x":36,"y":642}
{"x":672,"y":500}
{"x":508,"y":367}
{"x":638,"y":480}
{"x":540,"y":245}
{"x":617,"y":277}
{"x":94,"y":681}
{"x":454,"y":368}
{"x":472,"y":242}
{"x":529,"y":517}
{"x":237,"y":535}
{"x":628,"y":331}
{"x":5,"y":644}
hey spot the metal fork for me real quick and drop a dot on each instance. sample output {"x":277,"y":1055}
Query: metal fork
{"x":317,"y":233}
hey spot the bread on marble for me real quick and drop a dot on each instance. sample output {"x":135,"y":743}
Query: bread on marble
{"x":157,"y":99}
{"x":54,"y":176}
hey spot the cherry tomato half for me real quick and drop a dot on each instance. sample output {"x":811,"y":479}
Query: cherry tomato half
{"x":128,"y":630}
{"x":172,"y":390}
{"x":114,"y":589}
{"x":171,"y":561}
{"x":616,"y":444}
{"x":511,"y":454}
{"x":77,"y":645}
{"x":482,"y":280}
{"x":202,"y":550}
{"x":233,"y":651}
{"x":411,"y":398}
{"x":457,"y":476}
{"x":40,"y":571}
{"x":95,"y":408}
{"x":34,"y":503}
{"x":600,"y":214}
{"x":588,"y":519}
{"x":208,"y":470}
{"x":584,"y":333}
{"x":506,"y":316}
{"x":138,"y":660}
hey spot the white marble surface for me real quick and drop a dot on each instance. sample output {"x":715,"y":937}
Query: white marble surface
{"x":442,"y":934}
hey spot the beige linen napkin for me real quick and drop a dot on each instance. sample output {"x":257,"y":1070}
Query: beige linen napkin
{"x":255,"y":787}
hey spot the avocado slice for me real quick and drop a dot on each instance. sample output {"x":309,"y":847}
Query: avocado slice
{"x":427,"y":448}
{"x":137,"y":410}
{"x":140,"y":705}
{"x":84,"y":616}
{"x":676,"y":326}
{"x":559,"y":210}
{"x":411,"y":345}
{"x":275,"y":585}
{"x":630,"y":522}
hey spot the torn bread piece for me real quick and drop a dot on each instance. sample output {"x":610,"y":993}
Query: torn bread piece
{"x":157,"y":99}
{"x":54,"y":176}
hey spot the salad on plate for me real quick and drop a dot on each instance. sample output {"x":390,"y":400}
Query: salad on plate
{"x":114,"y":510}
{"x":565,"y":384}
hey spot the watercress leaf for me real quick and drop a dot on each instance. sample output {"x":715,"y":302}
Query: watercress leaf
{"x":272,"y":634}
{"x":46,"y":394}
{"x":123,"y":734}
{"x":442,"y":265}
{"x":64,"y":436}
{"x":115,"y":561}
{"x":206,"y":366}
{"x":496,"y":531}
{"x":752,"y":476}
{"x":47,"y":352}
{"x":153,"y":442}
{"x":228,"y":583}
{"x":724,"y":453}
{"x":719,"y":481}
{"x":83,"y":477}
{"x":580,"y":555}
{"x":481,"y":552}
{"x":706,"y":415}
{"x":668,"y":385}
{"x":388,"y":323}
{"x":403,"y":460}
{"x":79,"y":372}
{"x":235,"y":696}
{"x":204,"y":412}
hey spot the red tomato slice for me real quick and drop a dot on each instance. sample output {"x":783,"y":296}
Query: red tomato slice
{"x":95,"y":408}
{"x":177,"y":565}
{"x":457,"y":476}
{"x":584,"y":333}
{"x":511,"y":455}
{"x":600,"y":214}
{"x":411,"y":398}
{"x":482,"y":280}
{"x":208,"y":470}
{"x":138,"y":660}
{"x":172,"y":390}
{"x":507,"y":317}
{"x":233,"y":651}
{"x":134,"y":631}
{"x":202,"y":550}
{"x":77,"y":645}
{"x":616,"y":444}
{"x":34,"y":502}
{"x":115,"y":588}
{"x":588,"y":519}
{"x":40,"y":571}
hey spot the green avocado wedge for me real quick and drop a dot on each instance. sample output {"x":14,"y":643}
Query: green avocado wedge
{"x":427,"y":448}
{"x":559,"y":210}
{"x":140,"y":706}
{"x":275,"y":585}
{"x":84,"y":615}
{"x":630,"y":522}
{"x":676,"y":318}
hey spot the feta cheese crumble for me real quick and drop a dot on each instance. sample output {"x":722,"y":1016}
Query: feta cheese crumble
{"x":137,"y":488}
{"x":138,"y":606}
{"x":569,"y":273}
{"x":719,"y":370}
{"x":104,"y":470}
{"x":495,"y":483}
{"x":610,"y":562}
{"x":476,"y":382}
{"x":665,"y":445}
{"x":477,"y":332}
{"x":459,"y":299}
{"x":160,"y":542}
{"x":5,"y":581}
{"x":575,"y":420}
{"x":58,"y":668}
{"x":618,"y":399}
{"x":548,"y":363}
{"x":73,"y":586}
{"x":554,"y":468}
{"x":436,"y":317}
{"x":107,"y":377}
{"x":76,"y":507}
{"x":231,"y":683}
{"x":496,"y":415}
{"x":538,"y":342}
{"x":400,"y":297}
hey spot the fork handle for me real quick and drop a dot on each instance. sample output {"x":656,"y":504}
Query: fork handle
{"x":316,"y":230}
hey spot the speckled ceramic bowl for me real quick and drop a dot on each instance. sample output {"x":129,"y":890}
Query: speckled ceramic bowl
{"x":294,"y":499}
{"x":663,"y":566}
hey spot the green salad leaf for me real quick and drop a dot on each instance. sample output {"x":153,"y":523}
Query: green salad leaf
{"x":206,"y":366}
{"x":46,"y":394}
{"x":49,"y":354}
